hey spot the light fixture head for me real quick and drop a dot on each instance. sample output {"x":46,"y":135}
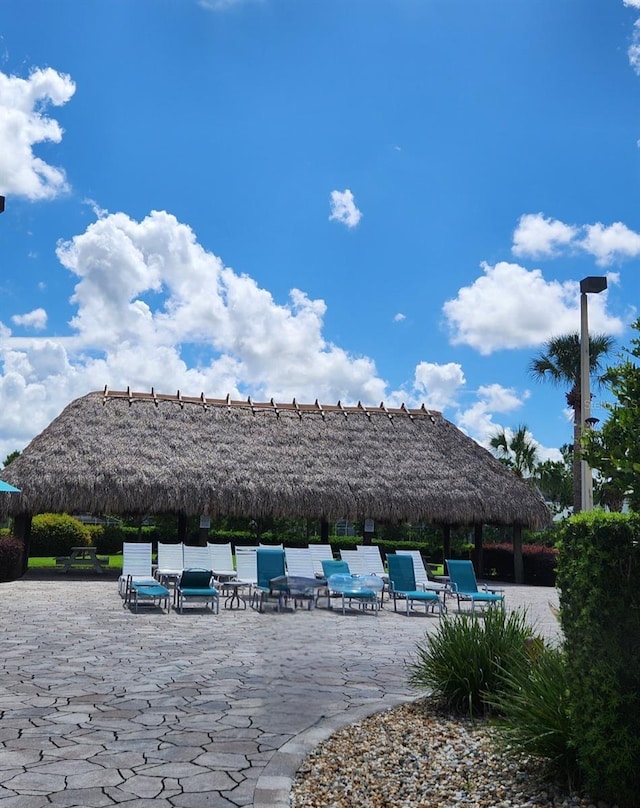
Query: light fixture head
{"x":591,"y":421}
{"x":593,"y":284}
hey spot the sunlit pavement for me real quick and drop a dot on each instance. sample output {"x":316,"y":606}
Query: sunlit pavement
{"x":100,"y":706}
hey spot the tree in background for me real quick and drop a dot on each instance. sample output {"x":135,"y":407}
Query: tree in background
{"x":516,"y":450}
{"x":560,"y":363}
{"x":614,"y":449}
{"x":555,"y":480}
{"x":10,"y":457}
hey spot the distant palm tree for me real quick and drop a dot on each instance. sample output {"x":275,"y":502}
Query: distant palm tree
{"x":516,"y":450}
{"x":560,"y":363}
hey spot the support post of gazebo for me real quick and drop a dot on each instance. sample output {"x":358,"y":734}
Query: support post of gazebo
{"x":183,"y":524}
{"x":446,"y":543}
{"x":518,"y":564}
{"x":324,"y":531}
{"x":478,"y":550}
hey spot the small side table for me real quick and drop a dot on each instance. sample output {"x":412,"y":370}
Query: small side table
{"x":231,"y":590}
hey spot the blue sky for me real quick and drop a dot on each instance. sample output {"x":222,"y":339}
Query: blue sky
{"x":354,"y":200}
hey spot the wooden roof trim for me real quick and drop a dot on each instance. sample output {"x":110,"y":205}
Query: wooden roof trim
{"x":386,"y":411}
{"x":269,"y":406}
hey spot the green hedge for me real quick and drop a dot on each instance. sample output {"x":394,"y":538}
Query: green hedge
{"x":599,"y":581}
{"x":539,"y":563}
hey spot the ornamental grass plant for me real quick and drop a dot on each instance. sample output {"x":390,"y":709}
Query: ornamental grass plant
{"x":534,"y":713}
{"x":464,"y":663}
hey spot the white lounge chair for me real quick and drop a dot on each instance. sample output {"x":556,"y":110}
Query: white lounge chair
{"x":320,"y":553}
{"x":221,"y":561}
{"x":136,"y":566}
{"x":247,"y":566}
{"x":372,"y":559}
{"x":299,"y":562}
{"x":170,"y":562}
{"x":355,"y":561}
{"x":195,"y":557}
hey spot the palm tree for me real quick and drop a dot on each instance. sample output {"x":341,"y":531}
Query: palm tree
{"x":515,"y":450}
{"x":560,"y":362}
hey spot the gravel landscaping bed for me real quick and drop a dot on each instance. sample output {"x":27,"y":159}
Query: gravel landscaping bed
{"x":408,"y":756}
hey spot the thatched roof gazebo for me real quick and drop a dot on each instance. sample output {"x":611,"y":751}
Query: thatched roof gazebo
{"x":124,"y":452}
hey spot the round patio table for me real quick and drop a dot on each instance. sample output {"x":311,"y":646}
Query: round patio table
{"x":234,"y":598}
{"x":297,"y":587}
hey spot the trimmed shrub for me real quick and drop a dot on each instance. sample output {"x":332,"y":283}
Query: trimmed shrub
{"x":54,"y":534}
{"x":108,"y":539}
{"x":11,"y":550}
{"x":463,"y":663}
{"x":599,"y":581}
{"x":539,"y":563}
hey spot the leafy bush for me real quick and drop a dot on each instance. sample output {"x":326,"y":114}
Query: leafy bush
{"x":463,"y":663}
{"x":534,"y":706}
{"x":108,"y":539}
{"x":539,"y":563}
{"x":599,"y":581}
{"x":54,"y":534}
{"x":11,"y":550}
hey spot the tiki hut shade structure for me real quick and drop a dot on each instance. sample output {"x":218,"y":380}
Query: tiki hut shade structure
{"x":123,"y":452}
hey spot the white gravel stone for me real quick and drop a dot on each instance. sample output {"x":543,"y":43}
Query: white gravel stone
{"x":408,"y":757}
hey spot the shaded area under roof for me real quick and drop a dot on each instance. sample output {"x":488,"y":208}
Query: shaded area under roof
{"x":123,"y":452}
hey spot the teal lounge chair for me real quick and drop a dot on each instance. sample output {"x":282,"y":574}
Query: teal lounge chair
{"x":341,"y":582}
{"x":269,"y":565}
{"x":146,"y":592}
{"x":402,"y":584}
{"x":195,"y":585}
{"x":465,"y":587}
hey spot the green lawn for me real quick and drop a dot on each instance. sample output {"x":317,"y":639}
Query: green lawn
{"x":115,"y":563}
{"x":49,"y":562}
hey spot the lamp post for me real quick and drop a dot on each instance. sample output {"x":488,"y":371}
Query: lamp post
{"x":591,"y":285}
{"x":1,"y":204}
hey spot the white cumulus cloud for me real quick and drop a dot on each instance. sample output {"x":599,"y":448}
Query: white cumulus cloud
{"x":33,"y":319}
{"x":536,"y":236}
{"x":512,"y":307}
{"x":608,"y":244}
{"x":155,"y":309}
{"x":477,"y":420}
{"x":436,"y":385}
{"x":24,"y":124}
{"x":343,"y":208}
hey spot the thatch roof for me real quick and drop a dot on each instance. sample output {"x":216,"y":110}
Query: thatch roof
{"x":123,"y":452}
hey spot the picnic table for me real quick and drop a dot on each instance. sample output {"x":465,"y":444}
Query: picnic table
{"x":82,"y":557}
